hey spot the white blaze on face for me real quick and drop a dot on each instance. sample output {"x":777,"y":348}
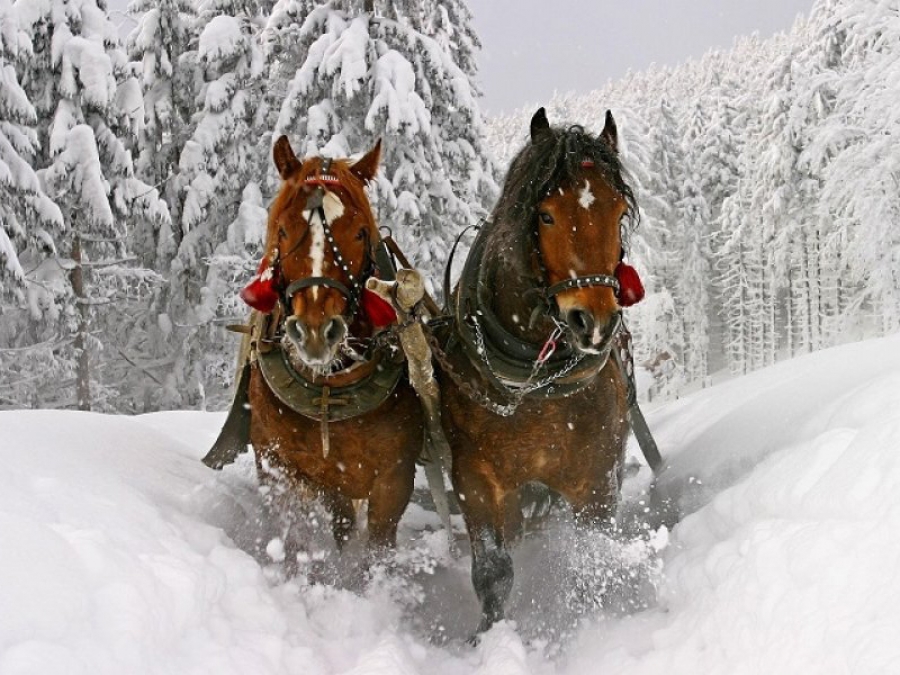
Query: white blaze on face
{"x":316,"y":247}
{"x":334,"y":209}
{"x":586,"y":197}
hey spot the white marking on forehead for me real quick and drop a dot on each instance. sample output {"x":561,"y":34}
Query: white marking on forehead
{"x":333,"y":206}
{"x":334,"y":209}
{"x":317,"y":247}
{"x":586,"y":197}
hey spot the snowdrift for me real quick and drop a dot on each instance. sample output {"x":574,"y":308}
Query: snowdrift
{"x":121,"y":553}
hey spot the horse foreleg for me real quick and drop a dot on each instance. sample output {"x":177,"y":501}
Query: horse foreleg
{"x":343,"y":516}
{"x":387,"y":501}
{"x":596,"y":506}
{"x":483,"y":504}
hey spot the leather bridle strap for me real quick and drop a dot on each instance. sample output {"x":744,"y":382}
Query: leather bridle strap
{"x":583,"y":282}
{"x":310,"y":282}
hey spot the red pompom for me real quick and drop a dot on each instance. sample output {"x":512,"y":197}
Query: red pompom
{"x":631,"y":290}
{"x":261,"y":293}
{"x":379,"y":312}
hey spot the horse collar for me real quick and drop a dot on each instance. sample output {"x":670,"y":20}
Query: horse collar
{"x":504,"y":359}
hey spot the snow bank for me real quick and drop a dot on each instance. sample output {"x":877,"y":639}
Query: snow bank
{"x":122,"y":553}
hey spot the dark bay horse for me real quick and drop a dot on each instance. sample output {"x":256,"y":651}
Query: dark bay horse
{"x":531,"y":392}
{"x":332,"y":415}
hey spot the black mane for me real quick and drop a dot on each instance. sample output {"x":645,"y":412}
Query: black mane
{"x":554,"y":159}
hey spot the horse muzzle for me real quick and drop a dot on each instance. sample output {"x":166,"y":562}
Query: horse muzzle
{"x":317,"y":346}
{"x":588,"y":335}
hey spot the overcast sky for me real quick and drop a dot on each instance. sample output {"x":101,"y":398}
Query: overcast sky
{"x":531,"y":48}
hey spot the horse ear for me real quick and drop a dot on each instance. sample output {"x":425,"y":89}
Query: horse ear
{"x":610,"y":134}
{"x":366,"y":167}
{"x":285,"y":160}
{"x":539,"y":124}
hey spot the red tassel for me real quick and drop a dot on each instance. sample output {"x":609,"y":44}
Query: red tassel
{"x":261,"y":293}
{"x":379,"y":312}
{"x":631,"y":290}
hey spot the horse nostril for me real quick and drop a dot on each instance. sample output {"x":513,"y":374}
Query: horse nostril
{"x":294,"y":329}
{"x":334,"y":331}
{"x":580,"y":322}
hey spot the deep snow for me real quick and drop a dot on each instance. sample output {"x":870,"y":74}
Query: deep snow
{"x":121,"y":553}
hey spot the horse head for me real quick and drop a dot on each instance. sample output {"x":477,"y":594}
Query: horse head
{"x":577,"y":216}
{"x":320,"y":238}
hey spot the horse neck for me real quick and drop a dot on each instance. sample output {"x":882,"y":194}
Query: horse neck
{"x":513,"y":290}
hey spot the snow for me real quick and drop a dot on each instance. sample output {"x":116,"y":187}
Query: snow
{"x":221,"y":39}
{"x":122,"y":553}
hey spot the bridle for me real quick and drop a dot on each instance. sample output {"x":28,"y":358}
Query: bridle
{"x":351,"y":292}
{"x":550,"y":292}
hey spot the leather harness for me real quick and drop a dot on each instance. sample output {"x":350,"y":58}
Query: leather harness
{"x":313,"y":397}
{"x":505,"y":360}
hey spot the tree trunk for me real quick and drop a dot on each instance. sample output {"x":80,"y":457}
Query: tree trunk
{"x":82,"y":369}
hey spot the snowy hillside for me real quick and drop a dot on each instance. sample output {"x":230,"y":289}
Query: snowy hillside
{"x":122,"y":553}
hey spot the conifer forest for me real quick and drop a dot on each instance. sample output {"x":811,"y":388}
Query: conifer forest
{"x":135,"y":174}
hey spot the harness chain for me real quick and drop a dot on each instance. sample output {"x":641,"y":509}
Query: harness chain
{"x":466,"y":387}
{"x":515,"y":395}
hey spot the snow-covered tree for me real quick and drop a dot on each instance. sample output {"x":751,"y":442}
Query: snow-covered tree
{"x":693,"y":233}
{"x":88,"y":110}
{"x":27,"y":216}
{"x":355,"y":75}
{"x":158,"y":44}
{"x":223,"y":163}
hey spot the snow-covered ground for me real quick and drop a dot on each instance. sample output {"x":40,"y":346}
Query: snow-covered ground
{"x":121,"y":553}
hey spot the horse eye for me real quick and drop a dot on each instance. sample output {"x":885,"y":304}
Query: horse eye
{"x":546,"y":218}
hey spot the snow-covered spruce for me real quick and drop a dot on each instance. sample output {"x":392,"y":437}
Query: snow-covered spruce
{"x":27,"y":215}
{"x":82,"y":279}
{"x":343,"y":77}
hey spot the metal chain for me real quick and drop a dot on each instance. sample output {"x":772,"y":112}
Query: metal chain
{"x":466,"y":387}
{"x":518,"y":392}
{"x":515,"y":395}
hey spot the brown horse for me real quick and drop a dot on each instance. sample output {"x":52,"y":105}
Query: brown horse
{"x":530,"y":390}
{"x":331,"y":412}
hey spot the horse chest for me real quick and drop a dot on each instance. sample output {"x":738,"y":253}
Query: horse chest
{"x":545,"y":439}
{"x":361,"y":448}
